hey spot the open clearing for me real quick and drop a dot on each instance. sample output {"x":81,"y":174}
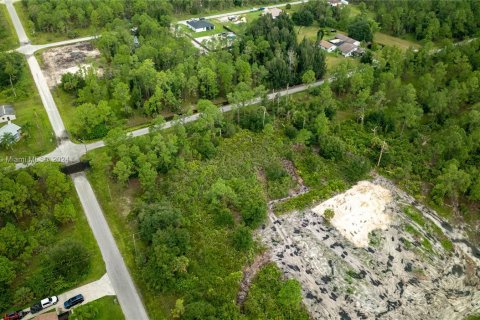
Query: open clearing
{"x":71,"y":58}
{"x":405,"y":269}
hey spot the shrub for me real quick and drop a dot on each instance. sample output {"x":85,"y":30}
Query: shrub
{"x":328,"y":214}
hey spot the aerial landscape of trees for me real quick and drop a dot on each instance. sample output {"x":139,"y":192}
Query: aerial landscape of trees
{"x":198,"y":191}
{"x":41,"y":226}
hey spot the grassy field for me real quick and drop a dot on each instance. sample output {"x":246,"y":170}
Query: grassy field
{"x":388,"y":40}
{"x":38,"y":137}
{"x":47,"y":37}
{"x":7,"y":32}
{"x":105,"y":308}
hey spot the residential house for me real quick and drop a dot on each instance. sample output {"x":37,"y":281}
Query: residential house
{"x":346,"y":45}
{"x":7,"y":113}
{"x":275,"y":12}
{"x":327,"y":46}
{"x":200,"y":25}
{"x":11,"y":128}
{"x":336,"y":3}
{"x":347,"y":49}
{"x":344,"y":38}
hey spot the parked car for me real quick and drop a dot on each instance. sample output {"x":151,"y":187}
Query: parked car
{"x":73,"y":301}
{"x":15,"y":315}
{"x":44,"y":303}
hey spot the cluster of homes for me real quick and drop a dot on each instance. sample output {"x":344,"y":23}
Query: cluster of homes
{"x":201,"y":24}
{"x":7,"y":115}
{"x":346,"y":45}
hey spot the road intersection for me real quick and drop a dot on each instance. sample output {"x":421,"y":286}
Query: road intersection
{"x":117,"y":271}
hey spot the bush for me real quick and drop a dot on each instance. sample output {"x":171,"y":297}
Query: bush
{"x":275,"y":171}
{"x":68,"y":259}
{"x":303,"y":17}
{"x":328,"y":214}
{"x":355,"y":167}
{"x":242,"y":238}
{"x":331,"y":147}
{"x":72,"y":82}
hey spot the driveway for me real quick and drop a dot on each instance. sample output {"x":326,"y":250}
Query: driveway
{"x":91,"y":292}
{"x":123,"y":285}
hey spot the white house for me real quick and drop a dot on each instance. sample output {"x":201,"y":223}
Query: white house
{"x":347,"y":49}
{"x":327,"y":46}
{"x":336,"y":3}
{"x":344,"y":38}
{"x":275,"y":12}
{"x":200,"y":25}
{"x":7,"y":113}
{"x":11,"y":128}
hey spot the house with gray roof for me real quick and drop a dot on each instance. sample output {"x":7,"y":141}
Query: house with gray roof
{"x":200,"y":25}
{"x":7,"y":113}
{"x":10,"y":128}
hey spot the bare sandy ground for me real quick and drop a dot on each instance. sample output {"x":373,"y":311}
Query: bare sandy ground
{"x":71,"y":58}
{"x":359,"y":211}
{"x":345,"y":276}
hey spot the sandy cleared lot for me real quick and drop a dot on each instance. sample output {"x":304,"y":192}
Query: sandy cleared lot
{"x":359,"y":211}
{"x":71,"y":58}
{"x":398,"y":271}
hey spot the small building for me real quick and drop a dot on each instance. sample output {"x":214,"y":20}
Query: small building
{"x":344,"y":38}
{"x":327,"y":46}
{"x":275,"y":12}
{"x":11,"y":128}
{"x":336,"y":3}
{"x":200,"y":25}
{"x":347,"y":49}
{"x":7,"y":113}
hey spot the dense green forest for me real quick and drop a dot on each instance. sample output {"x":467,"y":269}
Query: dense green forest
{"x":46,"y":246}
{"x":165,"y":74}
{"x":429,"y":20}
{"x":201,"y":199}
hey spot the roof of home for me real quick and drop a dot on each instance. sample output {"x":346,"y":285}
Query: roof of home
{"x":199,"y":24}
{"x":345,"y":38}
{"x":9,"y":128}
{"x":326,"y":44}
{"x":275,"y":12}
{"x":346,"y":47}
{"x":6,"y":110}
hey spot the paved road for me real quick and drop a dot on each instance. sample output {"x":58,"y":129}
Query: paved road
{"x":47,"y":99}
{"x":30,"y":49}
{"x":69,"y":153}
{"x":128,"y":297}
{"x":91,"y":292}
{"x":22,"y":36}
{"x":221,"y":15}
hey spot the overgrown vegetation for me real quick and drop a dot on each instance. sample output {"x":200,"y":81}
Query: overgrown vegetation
{"x":46,"y":246}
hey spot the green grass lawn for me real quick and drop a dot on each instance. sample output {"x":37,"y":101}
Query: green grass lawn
{"x":38,"y":137}
{"x":7,"y":32}
{"x":389,"y":40}
{"x":218,"y":29}
{"x":105,"y":308}
{"x":47,"y":37}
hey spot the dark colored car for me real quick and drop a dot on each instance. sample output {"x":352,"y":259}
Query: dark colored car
{"x":15,"y":315}
{"x":73,"y":301}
